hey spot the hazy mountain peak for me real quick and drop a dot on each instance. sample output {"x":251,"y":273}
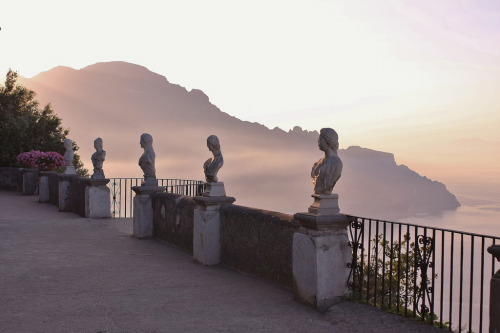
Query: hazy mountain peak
{"x":298,"y":132}
{"x":59,"y":71}
{"x":357,"y":151}
{"x":123,"y":69}
{"x":199,"y":95}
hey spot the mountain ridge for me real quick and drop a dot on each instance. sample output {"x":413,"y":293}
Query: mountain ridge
{"x":265,"y":168}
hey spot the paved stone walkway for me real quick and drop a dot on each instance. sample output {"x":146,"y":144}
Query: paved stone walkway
{"x":63,"y":273}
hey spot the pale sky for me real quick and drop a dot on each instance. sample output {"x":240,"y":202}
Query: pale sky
{"x":388,"y":75}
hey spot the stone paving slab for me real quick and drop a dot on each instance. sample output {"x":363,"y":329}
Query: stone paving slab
{"x":63,"y":273}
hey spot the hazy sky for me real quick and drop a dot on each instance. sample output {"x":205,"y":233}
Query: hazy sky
{"x":388,"y":75}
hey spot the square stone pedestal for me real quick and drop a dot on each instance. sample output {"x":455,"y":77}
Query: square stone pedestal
{"x":206,"y":229}
{"x":320,"y":257}
{"x":43,"y":187}
{"x":70,"y":170}
{"x":325,"y":204}
{"x":214,"y":190}
{"x":143,"y":210}
{"x":30,"y":181}
{"x":97,"y":200}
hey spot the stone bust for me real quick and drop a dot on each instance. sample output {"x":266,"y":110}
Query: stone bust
{"x":147,"y":160}
{"x":212,"y":165}
{"x":98,"y":159}
{"x":69,"y":153}
{"x":326,"y":172}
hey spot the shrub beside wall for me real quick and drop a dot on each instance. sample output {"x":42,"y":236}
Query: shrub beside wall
{"x":259,"y":242}
{"x":173,"y":219}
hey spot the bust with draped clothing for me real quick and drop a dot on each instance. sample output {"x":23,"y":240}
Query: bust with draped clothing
{"x":212,"y":165}
{"x":326,"y":172}
{"x":147,"y":160}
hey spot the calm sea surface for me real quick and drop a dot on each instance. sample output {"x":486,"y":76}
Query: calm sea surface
{"x":475,"y":218}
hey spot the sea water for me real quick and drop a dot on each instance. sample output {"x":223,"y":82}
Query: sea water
{"x":478,"y":216}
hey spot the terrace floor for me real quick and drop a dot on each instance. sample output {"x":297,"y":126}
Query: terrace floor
{"x":63,"y":273}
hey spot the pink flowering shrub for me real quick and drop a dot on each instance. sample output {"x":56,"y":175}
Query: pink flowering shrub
{"x":40,"y":160}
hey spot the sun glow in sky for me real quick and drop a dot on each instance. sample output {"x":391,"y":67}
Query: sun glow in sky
{"x":410,"y":77}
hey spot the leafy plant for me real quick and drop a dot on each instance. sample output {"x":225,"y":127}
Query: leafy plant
{"x":394,"y":276}
{"x":24,"y":126}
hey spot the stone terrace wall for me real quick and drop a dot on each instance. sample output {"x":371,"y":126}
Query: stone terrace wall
{"x":77,"y":195}
{"x":259,"y":242}
{"x":76,"y":192}
{"x":11,"y":179}
{"x":54,"y":188}
{"x":173,"y":219}
{"x":254,"y":241}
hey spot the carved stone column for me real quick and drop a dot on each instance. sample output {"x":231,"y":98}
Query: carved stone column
{"x":320,"y":257}
{"x":143,"y":210}
{"x":97,"y":201}
{"x":495,"y":293}
{"x":206,"y":228}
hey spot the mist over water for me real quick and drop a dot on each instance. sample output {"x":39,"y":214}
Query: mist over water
{"x":465,"y":218}
{"x":479,"y":195}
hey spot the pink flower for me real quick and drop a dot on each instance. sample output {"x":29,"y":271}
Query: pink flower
{"x":38,"y":159}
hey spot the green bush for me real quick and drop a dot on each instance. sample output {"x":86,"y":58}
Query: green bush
{"x":24,"y":126}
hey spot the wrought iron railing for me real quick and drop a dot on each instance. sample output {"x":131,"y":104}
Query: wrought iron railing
{"x":435,"y":275}
{"x":122,"y":194}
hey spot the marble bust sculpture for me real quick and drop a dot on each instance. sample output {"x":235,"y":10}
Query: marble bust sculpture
{"x":326,"y":172}
{"x":68,"y":157}
{"x":147,"y":160}
{"x":213,"y":164}
{"x":98,"y":159}
{"x":69,"y":153}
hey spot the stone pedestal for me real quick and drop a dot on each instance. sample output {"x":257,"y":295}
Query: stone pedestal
{"x":143,"y":210}
{"x":214,"y":190}
{"x":70,"y":170}
{"x":495,"y":293}
{"x":98,"y":175}
{"x":30,"y":181}
{"x":149,"y":182}
{"x":43,"y":187}
{"x":320,"y":257}
{"x":325,"y":204}
{"x":206,"y":228}
{"x":97,"y":200}
{"x":65,"y":203}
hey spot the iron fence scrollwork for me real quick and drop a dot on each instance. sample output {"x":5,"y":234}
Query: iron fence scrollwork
{"x":356,"y":232}
{"x":412,"y":270}
{"x":423,"y":261}
{"x":115,"y":193}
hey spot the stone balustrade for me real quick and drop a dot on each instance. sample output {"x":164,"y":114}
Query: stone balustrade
{"x":83,"y":196}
